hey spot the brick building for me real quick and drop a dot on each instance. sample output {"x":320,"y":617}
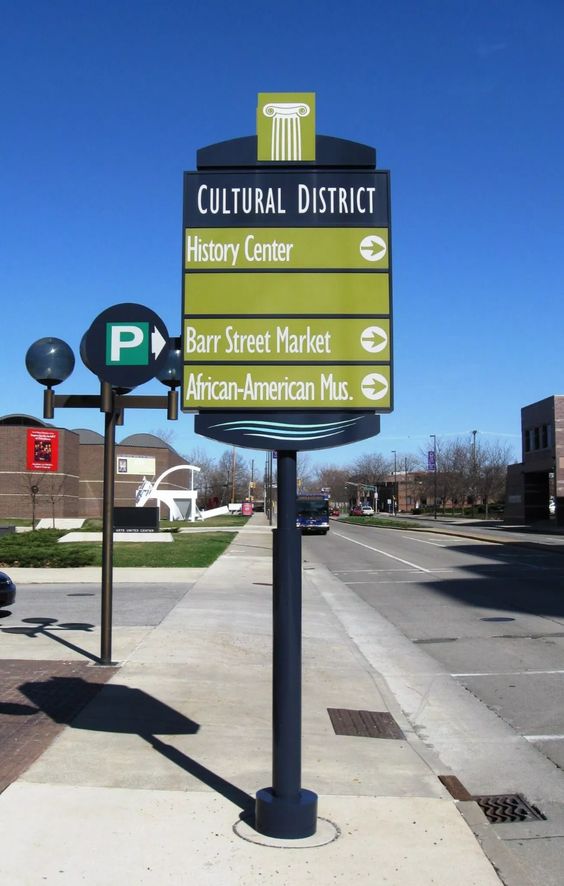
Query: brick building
{"x":70,"y":485}
{"x":535,"y":486}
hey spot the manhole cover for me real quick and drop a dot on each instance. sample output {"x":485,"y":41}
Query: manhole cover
{"x":367,"y":724}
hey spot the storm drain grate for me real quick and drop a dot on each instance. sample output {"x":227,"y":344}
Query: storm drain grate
{"x":366,"y":724}
{"x":499,"y":808}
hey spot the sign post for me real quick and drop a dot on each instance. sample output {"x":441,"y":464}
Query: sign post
{"x":286,"y":810}
{"x":287,"y":345}
{"x":124,"y":347}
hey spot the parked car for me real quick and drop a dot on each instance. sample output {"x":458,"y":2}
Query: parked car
{"x":7,"y":590}
{"x":367,"y":511}
{"x":356,"y":511}
{"x":335,"y":512}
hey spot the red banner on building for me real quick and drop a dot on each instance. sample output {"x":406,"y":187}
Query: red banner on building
{"x":42,"y":450}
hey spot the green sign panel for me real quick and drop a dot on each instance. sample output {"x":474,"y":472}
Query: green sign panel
{"x":261,"y":293}
{"x":290,"y":387}
{"x":315,"y":340}
{"x":286,"y":248}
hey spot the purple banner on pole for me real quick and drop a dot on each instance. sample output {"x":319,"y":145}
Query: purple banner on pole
{"x":431,"y":462}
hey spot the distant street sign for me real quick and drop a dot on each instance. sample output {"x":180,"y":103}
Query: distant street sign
{"x":125,"y":345}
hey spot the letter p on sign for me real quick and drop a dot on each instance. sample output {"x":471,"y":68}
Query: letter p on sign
{"x":127,"y":344}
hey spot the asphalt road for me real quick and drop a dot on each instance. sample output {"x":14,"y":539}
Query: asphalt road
{"x":492,"y":615}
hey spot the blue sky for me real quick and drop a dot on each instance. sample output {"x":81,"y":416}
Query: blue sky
{"x":106,"y":102}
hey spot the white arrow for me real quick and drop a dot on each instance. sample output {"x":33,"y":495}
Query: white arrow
{"x":374,"y":339}
{"x":374,"y":386}
{"x":157,"y":342}
{"x":373,"y":247}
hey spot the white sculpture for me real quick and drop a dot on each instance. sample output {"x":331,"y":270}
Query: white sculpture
{"x":181,"y":503}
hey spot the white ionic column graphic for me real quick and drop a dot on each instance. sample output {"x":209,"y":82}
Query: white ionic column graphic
{"x":286,"y":143}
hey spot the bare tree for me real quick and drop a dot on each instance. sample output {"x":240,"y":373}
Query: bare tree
{"x":204,"y":479}
{"x":451,"y":481}
{"x":54,"y":491}
{"x":492,"y":459}
{"x":305,"y":473}
{"x":333,"y":478}
{"x":167,"y":435}
{"x":233,"y":475}
{"x":32,"y":483}
{"x":371,"y":469}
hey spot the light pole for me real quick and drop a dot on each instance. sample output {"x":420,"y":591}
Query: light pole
{"x":50,"y":361}
{"x":434,"y":439}
{"x":394,"y":496}
{"x":233,"y":461}
{"x":473,"y":470}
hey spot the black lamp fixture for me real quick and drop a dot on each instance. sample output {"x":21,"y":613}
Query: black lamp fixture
{"x":49,"y":361}
{"x":170,"y":374}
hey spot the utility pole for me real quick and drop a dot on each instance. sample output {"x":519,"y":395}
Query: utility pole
{"x":233,"y":476}
{"x":473,"y":470}
{"x":394,"y":495}
{"x":434,"y":439}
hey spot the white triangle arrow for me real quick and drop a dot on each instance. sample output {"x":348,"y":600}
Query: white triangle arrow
{"x":157,"y":342}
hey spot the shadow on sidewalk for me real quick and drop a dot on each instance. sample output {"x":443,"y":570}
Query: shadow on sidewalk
{"x":40,"y":627}
{"x":120,"y":709}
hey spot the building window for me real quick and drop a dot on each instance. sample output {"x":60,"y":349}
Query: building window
{"x":544,"y":437}
{"x":527,"y":435}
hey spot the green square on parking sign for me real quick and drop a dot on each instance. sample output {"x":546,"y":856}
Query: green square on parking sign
{"x":127,"y":344}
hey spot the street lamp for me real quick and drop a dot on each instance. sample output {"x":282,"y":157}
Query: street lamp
{"x":434,"y":439}
{"x":50,"y":361}
{"x":394,"y":494}
{"x":170,"y":374}
{"x":473,"y":470}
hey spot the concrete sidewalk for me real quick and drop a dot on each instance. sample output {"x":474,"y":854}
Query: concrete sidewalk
{"x":148,"y":783}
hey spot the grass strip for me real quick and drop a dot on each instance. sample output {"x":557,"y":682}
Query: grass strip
{"x":199,"y":549}
{"x":41,"y":549}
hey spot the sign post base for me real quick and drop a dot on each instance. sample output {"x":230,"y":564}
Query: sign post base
{"x":286,"y":819}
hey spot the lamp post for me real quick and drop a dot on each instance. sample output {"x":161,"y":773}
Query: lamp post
{"x":434,"y":439}
{"x":50,"y":361}
{"x":394,"y":494}
{"x":473,"y":470}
